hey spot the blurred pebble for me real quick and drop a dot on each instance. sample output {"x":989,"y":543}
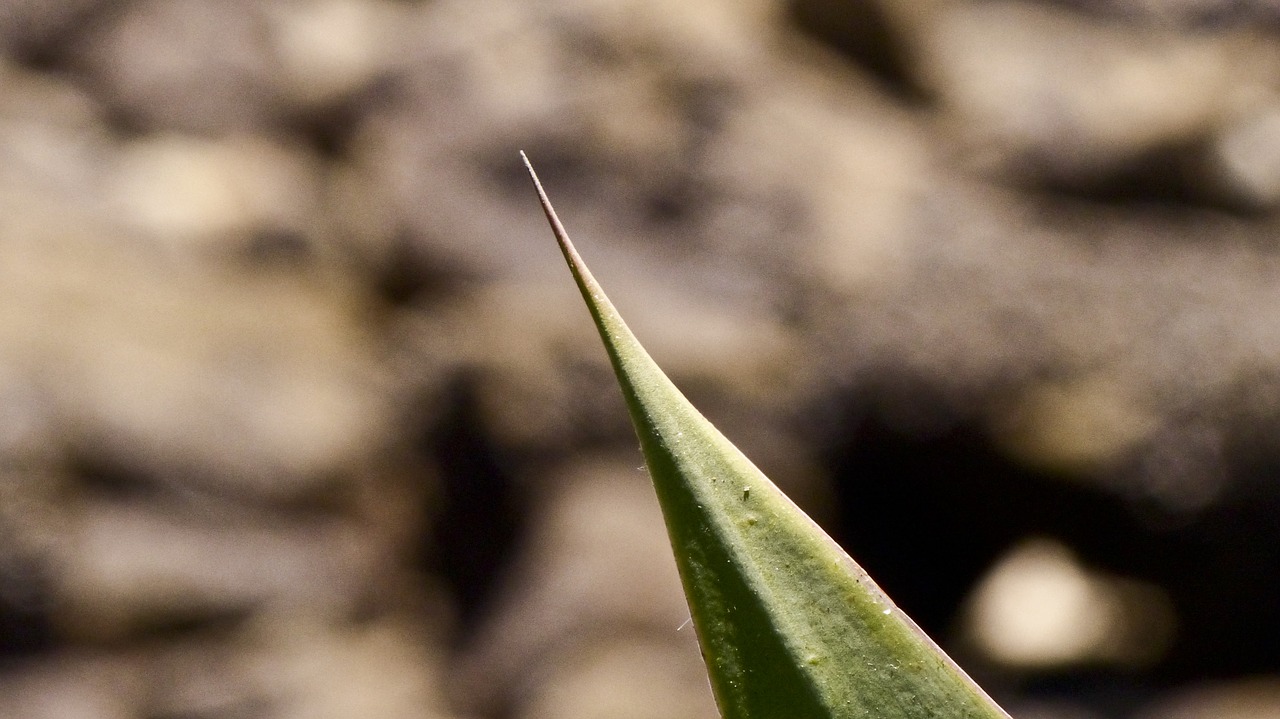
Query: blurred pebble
{"x":29,"y":25}
{"x":1247,"y":152}
{"x":598,"y":569}
{"x":122,"y":570}
{"x":92,"y":686}
{"x":1244,"y":699}
{"x":617,"y":678}
{"x":1048,"y":93}
{"x":193,"y":194}
{"x":147,"y":361}
{"x":331,"y":49}
{"x":194,"y":65}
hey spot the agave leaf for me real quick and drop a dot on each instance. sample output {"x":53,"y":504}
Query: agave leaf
{"x":790,"y":626}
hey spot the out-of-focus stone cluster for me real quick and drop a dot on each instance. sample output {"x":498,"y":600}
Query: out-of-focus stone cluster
{"x":300,"y":415}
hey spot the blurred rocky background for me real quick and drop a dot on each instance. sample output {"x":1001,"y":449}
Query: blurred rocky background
{"x":301,"y":417}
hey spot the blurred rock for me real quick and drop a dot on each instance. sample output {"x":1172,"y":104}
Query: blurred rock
{"x":89,"y":302}
{"x":617,"y":680}
{"x":1245,"y":699}
{"x":188,"y":65}
{"x":218,"y":67}
{"x":56,"y":146}
{"x":308,"y":669}
{"x":1075,"y":427}
{"x":294,"y":665}
{"x":1039,"y":608}
{"x":229,"y":197}
{"x":643,"y":160}
{"x":1051,"y":710}
{"x":597,"y":571}
{"x":1049,"y":94}
{"x":332,"y":49}
{"x":1069,"y":303}
{"x":121,"y":570}
{"x":1247,"y":154}
{"x":90,"y":687}
{"x":119,"y":347}
{"x":1189,"y":14}
{"x":28,"y":26}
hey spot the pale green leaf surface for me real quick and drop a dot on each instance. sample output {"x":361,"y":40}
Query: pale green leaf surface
{"x":790,"y":626}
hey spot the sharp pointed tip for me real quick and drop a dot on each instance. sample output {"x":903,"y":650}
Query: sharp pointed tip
{"x":528,"y":166}
{"x":562,"y":237}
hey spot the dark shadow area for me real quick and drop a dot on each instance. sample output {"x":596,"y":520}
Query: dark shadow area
{"x":927,"y":515}
{"x":26,"y":601}
{"x":860,"y":31}
{"x":477,"y":517}
{"x":1170,"y":179}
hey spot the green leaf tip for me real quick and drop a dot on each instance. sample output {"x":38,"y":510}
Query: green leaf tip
{"x":790,"y":626}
